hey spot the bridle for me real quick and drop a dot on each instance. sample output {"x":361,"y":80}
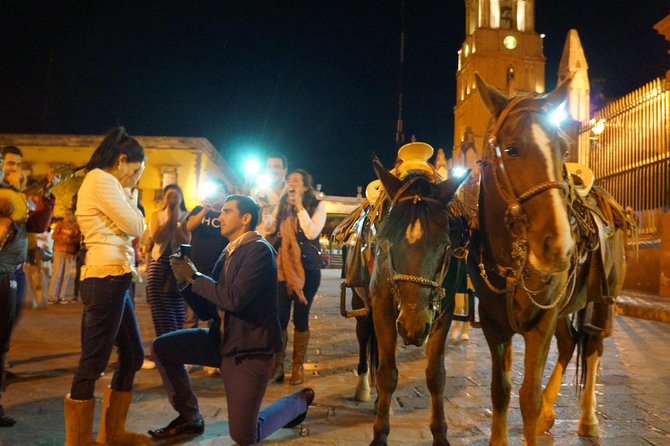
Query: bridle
{"x":438,"y":292}
{"x":515,"y":217}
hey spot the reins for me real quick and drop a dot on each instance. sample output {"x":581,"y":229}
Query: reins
{"x":438,"y":292}
{"x":517,"y":221}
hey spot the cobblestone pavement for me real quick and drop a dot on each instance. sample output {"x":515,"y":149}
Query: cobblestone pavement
{"x":634,"y":387}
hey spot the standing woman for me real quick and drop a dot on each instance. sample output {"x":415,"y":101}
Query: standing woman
{"x":297,"y":222}
{"x":167,"y":305}
{"x":109,"y":220}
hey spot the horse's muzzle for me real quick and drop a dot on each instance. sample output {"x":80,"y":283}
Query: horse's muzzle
{"x":417,"y":338}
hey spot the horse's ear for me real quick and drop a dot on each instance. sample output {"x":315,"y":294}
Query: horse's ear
{"x":560,"y":94}
{"x":389,"y":181}
{"x":448,"y":188}
{"x":494,"y":100}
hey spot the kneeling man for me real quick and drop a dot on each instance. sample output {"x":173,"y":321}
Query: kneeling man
{"x":240,"y":299}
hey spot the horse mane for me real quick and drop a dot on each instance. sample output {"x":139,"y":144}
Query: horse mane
{"x":405,"y":213}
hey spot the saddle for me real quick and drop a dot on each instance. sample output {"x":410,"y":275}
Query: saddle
{"x":594,"y":218}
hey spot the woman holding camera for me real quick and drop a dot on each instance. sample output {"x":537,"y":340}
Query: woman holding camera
{"x":167,"y":305}
{"x":297,"y":223}
{"x":109,"y":220}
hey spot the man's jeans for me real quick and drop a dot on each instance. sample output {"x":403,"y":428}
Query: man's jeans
{"x":108,"y":320}
{"x":245,"y":380}
{"x":7,"y":318}
{"x":176,"y":348}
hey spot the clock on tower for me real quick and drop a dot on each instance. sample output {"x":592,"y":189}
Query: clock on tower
{"x":502,"y":46}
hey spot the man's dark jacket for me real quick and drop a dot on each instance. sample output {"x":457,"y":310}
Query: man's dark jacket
{"x":247,"y":297}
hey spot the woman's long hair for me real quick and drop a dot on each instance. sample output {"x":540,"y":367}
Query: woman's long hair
{"x":309,"y":198}
{"x":169,"y":187}
{"x":116,"y":143}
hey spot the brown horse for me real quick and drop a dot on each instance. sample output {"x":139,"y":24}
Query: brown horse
{"x":415,"y":243}
{"x":540,"y":254}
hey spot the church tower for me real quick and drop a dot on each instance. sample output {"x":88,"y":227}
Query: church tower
{"x":502,"y":45}
{"x":573,"y":65}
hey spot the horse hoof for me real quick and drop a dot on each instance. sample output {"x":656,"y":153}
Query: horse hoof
{"x":587,"y":430}
{"x":544,"y":424}
{"x":362,"y":388}
{"x":362,"y":395}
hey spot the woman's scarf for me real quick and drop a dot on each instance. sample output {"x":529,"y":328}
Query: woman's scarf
{"x":289,"y":258}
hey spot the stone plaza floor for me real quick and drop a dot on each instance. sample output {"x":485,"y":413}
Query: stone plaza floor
{"x":633,"y":387}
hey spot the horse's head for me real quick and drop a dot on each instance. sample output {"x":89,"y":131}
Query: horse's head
{"x":414,"y":238}
{"x":523,"y":174}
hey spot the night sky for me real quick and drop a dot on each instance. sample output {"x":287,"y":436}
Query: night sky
{"x":317,"y":80}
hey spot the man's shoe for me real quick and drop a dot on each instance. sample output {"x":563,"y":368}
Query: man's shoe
{"x":179,"y":427}
{"x":308,"y":392}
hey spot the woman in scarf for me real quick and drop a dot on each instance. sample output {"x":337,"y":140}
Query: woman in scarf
{"x":297,"y":223}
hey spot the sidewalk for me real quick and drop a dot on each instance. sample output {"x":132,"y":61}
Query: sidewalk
{"x":643,"y":306}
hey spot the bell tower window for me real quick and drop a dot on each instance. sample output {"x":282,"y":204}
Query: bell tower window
{"x":506,"y":17}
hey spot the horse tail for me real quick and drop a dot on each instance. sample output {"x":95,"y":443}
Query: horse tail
{"x":581,"y":337}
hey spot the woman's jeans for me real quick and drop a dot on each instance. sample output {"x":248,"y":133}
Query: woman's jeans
{"x":108,"y":320}
{"x":300,"y":311}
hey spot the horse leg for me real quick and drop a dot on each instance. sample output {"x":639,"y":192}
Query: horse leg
{"x":566,"y":348}
{"x":588,"y":422}
{"x":501,"y":388}
{"x":387,"y":374}
{"x":364,"y":336}
{"x":537,"y":341}
{"x":435,"y":376}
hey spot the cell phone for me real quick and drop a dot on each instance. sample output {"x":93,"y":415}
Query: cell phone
{"x":184,"y":250}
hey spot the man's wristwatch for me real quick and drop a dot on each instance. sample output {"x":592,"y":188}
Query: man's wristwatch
{"x":193,"y":277}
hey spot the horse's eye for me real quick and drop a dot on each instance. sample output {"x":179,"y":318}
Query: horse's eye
{"x":512,"y":151}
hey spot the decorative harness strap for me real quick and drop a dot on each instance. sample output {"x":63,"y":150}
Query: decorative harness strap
{"x":517,"y":220}
{"x":438,"y":291}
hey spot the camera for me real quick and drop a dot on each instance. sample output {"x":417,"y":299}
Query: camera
{"x":184,"y":250}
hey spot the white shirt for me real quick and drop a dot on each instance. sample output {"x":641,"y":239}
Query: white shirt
{"x":311,"y":226}
{"x":109,"y":219}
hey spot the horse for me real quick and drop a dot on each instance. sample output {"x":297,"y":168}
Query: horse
{"x":415,"y":245}
{"x":544,"y":261}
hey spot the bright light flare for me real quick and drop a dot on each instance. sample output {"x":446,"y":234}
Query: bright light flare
{"x":209,"y":189}
{"x":599,"y":127}
{"x":459,"y":171}
{"x":264,"y":181}
{"x":559,"y":115}
{"x":251,"y":166}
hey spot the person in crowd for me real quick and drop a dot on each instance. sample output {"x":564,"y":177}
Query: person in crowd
{"x":109,"y":220}
{"x":39,"y":217}
{"x":240,"y":299}
{"x":38,"y":271}
{"x":167,"y":306}
{"x":462,"y":308}
{"x":14,"y":249}
{"x":66,"y":236}
{"x":268,"y":194}
{"x":204,"y":232}
{"x":296,"y":223}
